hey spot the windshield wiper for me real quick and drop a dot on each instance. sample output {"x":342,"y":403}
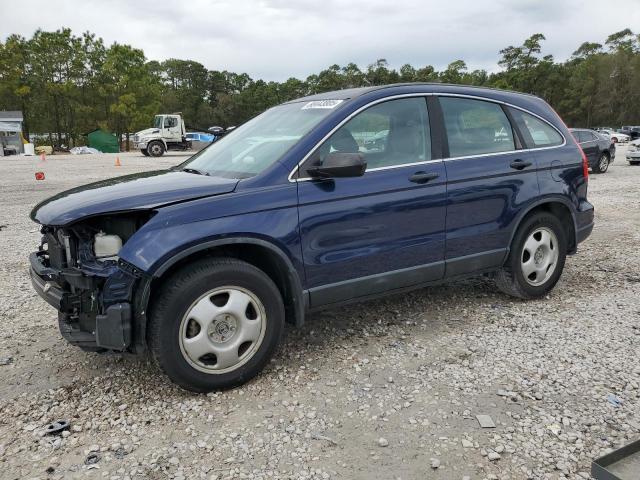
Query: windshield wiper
{"x":196,"y":171}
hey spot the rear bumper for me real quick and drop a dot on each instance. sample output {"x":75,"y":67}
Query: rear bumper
{"x":584,"y":221}
{"x":633,"y":156}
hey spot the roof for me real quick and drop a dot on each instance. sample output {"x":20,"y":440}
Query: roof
{"x":11,"y":116}
{"x":351,"y":93}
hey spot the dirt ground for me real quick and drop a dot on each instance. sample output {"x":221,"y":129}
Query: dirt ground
{"x":387,"y":389}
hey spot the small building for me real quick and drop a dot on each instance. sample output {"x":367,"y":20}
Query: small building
{"x":11,"y":133}
{"x":104,"y":141}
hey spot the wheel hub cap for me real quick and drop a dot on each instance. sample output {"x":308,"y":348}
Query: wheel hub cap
{"x":539,"y":256}
{"x":222,"y":329}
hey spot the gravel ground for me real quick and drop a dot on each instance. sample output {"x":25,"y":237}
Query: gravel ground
{"x":385,"y":389}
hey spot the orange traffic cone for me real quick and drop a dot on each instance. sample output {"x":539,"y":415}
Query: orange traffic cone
{"x":118,"y":164}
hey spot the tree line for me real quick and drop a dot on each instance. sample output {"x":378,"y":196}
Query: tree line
{"x":67,"y":85}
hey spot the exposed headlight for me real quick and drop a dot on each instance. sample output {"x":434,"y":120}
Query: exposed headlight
{"x":106,"y":247}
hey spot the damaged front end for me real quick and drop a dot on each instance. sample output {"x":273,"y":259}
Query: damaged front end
{"x":78,"y":272}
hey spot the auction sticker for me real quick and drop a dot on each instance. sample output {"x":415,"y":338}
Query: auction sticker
{"x":322,"y":104}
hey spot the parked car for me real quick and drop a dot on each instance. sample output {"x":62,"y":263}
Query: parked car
{"x":633,"y":132}
{"x":202,"y":264}
{"x":616,"y":137}
{"x":199,"y":140}
{"x":600,"y":150}
{"x":633,"y":153}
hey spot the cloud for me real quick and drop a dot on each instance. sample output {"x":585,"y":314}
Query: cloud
{"x":277,"y":39}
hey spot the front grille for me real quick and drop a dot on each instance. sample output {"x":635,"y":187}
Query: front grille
{"x":136,"y":138}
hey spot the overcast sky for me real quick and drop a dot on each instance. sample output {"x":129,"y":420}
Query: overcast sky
{"x":277,"y":39}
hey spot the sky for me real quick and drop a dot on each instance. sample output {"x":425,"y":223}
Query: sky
{"x":278,"y":39}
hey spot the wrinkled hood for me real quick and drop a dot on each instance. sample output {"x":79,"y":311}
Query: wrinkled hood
{"x":147,"y":131}
{"x":140,"y":191}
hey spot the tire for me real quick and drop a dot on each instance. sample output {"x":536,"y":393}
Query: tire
{"x":145,"y":152}
{"x":512,"y":278}
{"x":176,"y":340}
{"x":602,"y":165}
{"x":634,"y":163}
{"x":155,"y":149}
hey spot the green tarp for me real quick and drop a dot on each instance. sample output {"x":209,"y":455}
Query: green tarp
{"x":104,"y":141}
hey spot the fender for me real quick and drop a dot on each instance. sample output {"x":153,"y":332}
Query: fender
{"x":291,"y":273}
{"x":537,"y":203}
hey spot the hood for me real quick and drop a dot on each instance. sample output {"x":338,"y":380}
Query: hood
{"x":141,"y":191}
{"x":147,"y":131}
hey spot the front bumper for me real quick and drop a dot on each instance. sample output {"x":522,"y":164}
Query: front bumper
{"x":140,"y":145}
{"x":84,"y":318}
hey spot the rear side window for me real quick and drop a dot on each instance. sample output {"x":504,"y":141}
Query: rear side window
{"x":476,"y":127}
{"x":542,"y":134}
{"x":583,"y":136}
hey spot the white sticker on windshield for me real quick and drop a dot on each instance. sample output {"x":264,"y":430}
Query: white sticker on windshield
{"x":322,"y":104}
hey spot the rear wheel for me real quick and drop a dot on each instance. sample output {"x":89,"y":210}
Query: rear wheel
{"x":536,"y":258}
{"x":155,"y":149}
{"x":145,"y":152}
{"x":602,"y":165}
{"x":216,"y":324}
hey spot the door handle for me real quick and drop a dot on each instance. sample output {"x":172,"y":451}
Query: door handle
{"x":520,"y":164}
{"x":423,"y":177}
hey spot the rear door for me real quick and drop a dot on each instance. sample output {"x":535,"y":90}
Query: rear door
{"x":383,"y":230}
{"x":589,"y":144}
{"x":490,"y":179}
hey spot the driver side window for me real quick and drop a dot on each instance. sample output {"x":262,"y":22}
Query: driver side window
{"x":170,"y":122}
{"x":388,"y":134}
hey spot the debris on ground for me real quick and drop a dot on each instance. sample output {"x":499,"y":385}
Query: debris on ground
{"x":56,"y":427}
{"x":485,"y":421}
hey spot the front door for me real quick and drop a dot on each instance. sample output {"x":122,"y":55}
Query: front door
{"x":490,"y":179}
{"x":384,"y":230}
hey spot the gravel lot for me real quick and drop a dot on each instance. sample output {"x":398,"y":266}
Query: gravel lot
{"x":386,"y":389}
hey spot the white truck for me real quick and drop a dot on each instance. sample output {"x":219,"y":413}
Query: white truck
{"x":168,"y":133}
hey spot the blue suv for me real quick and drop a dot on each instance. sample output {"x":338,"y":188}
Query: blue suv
{"x":332,"y":198}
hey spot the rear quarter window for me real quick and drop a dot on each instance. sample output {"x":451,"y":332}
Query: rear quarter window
{"x":540,"y":132}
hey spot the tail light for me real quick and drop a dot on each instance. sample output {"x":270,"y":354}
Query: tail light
{"x":585,"y":165}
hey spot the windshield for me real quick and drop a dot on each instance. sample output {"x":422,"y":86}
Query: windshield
{"x":157,"y":121}
{"x":260,"y":142}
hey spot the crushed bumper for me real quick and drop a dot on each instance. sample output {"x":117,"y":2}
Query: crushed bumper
{"x":84,"y":319}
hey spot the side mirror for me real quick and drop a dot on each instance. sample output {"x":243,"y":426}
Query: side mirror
{"x":337,"y":165}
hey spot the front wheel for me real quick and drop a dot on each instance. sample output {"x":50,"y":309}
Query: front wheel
{"x":155,"y":149}
{"x":536,"y":258}
{"x":602,"y":165}
{"x":216,"y":324}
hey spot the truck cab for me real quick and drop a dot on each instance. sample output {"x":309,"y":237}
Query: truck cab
{"x":168,"y":133}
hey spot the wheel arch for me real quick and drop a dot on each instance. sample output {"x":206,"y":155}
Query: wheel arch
{"x":561,"y":208}
{"x":260,"y":253}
